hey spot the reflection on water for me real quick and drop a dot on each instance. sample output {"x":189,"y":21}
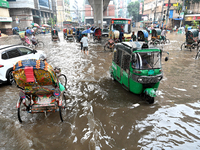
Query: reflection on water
{"x":103,"y":115}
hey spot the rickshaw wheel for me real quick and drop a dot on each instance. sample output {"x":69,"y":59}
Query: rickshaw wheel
{"x":156,"y":42}
{"x":63,"y":79}
{"x":183,"y":46}
{"x":197,"y":56}
{"x":62,"y":109}
{"x":40,"y":44}
{"x":150,"y":42}
{"x":22,"y":112}
{"x":167,"y":41}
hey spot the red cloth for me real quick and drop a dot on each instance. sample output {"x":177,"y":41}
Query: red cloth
{"x":29,"y":74}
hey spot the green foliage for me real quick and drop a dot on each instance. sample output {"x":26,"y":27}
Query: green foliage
{"x":52,"y":21}
{"x":133,"y":9}
{"x":195,"y":24}
{"x":186,"y":26}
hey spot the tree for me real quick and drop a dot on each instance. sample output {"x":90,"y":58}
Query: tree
{"x":133,"y":9}
{"x":52,"y":21}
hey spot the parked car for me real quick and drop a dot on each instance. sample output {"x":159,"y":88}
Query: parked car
{"x":11,"y":54}
{"x":105,"y":32}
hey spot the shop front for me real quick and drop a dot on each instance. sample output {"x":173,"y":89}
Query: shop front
{"x":5,"y":19}
{"x":192,"y":17}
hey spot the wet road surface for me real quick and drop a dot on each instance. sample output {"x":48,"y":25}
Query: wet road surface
{"x":103,"y":115}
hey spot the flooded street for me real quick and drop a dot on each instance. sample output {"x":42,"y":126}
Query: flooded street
{"x":101,"y":114}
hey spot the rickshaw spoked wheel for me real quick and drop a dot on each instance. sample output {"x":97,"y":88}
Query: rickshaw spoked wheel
{"x":63,"y":79}
{"x":62,"y":109}
{"x":22,"y":112}
{"x":197,"y":56}
{"x":40,"y":44}
{"x":183,"y":46}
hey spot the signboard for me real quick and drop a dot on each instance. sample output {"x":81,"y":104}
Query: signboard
{"x":140,"y":9}
{"x":5,"y":19}
{"x":119,"y":21}
{"x":4,"y":4}
{"x":182,"y":14}
{"x":44,"y":3}
{"x":171,"y":4}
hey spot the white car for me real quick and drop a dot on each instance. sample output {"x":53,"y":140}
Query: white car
{"x":10,"y":55}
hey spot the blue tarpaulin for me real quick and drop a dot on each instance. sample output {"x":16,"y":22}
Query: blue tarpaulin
{"x":28,"y":31}
{"x":171,"y":13}
{"x":178,"y":18}
{"x":86,"y":31}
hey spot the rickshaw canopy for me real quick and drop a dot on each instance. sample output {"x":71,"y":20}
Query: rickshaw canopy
{"x":156,"y":31}
{"x":194,"y":32}
{"x":31,"y":73}
{"x":144,"y":32}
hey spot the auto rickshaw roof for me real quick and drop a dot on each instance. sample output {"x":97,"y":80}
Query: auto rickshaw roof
{"x":135,"y":46}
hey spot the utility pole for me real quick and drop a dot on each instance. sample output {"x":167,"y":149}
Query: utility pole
{"x":168,"y":11}
{"x":183,"y":9}
{"x":162,"y":12}
{"x":155,"y":13}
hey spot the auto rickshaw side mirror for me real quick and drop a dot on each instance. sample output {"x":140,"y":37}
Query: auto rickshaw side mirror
{"x":166,"y":58}
{"x":134,"y":58}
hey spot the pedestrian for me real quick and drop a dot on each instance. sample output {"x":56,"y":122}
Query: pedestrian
{"x":121,"y":35}
{"x":133,"y":36}
{"x":0,"y":33}
{"x":85,"y":40}
{"x":163,"y":34}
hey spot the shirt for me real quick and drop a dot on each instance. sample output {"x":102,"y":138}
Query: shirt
{"x":163,"y":33}
{"x":84,"y":40}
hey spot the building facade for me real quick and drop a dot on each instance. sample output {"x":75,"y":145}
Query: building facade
{"x":26,"y":12}
{"x":156,"y":10}
{"x":5,"y":19}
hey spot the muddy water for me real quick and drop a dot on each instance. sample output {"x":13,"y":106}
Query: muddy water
{"x":103,"y":115}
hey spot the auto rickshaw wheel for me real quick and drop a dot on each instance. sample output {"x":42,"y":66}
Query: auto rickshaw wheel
{"x":150,"y":100}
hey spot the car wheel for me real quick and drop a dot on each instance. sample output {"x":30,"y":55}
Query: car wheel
{"x":10,"y":78}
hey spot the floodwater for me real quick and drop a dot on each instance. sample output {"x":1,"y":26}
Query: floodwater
{"x":101,"y":114}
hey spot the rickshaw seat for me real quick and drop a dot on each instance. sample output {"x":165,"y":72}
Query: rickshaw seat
{"x":29,"y":74}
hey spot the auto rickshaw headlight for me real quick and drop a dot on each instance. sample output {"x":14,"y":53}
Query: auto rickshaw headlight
{"x":139,"y":79}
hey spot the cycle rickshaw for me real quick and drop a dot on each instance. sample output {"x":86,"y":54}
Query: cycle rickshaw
{"x":68,"y":34}
{"x":27,"y":42}
{"x":54,"y":35}
{"x":42,"y":91}
{"x":142,"y":35}
{"x":97,"y":34}
{"x":155,"y":36}
{"x":191,"y":40}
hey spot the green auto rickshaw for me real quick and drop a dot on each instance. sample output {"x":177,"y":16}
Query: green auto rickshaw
{"x":138,"y":68}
